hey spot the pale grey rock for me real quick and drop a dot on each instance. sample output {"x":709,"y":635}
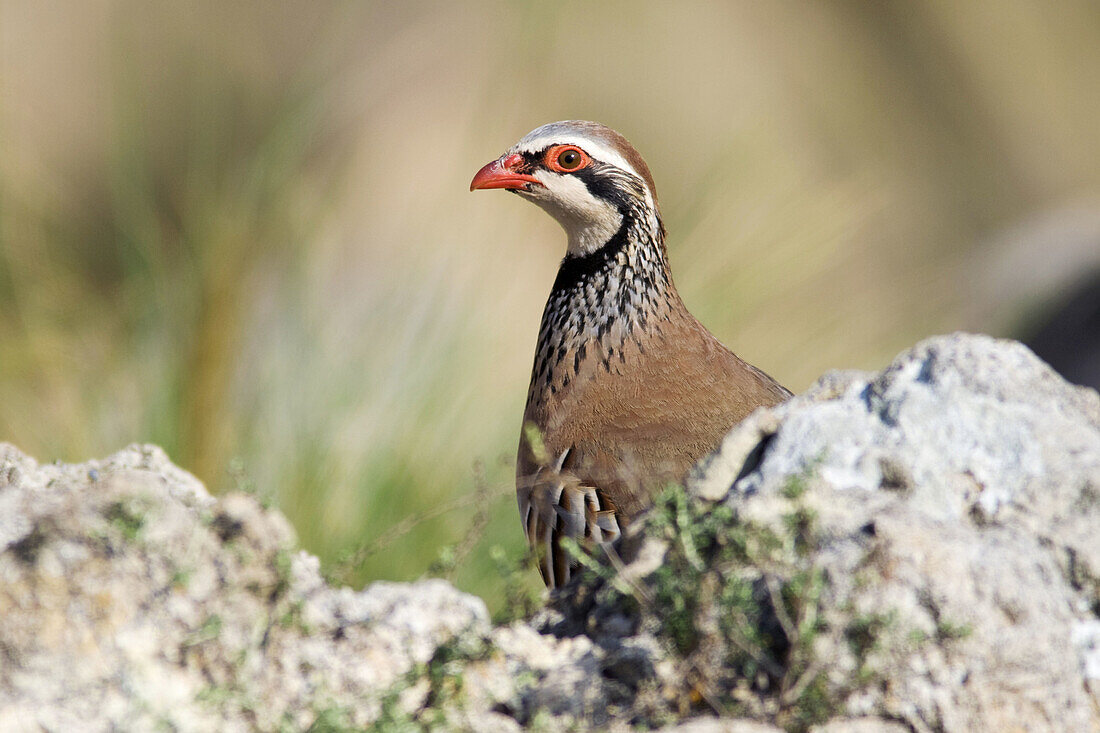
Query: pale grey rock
{"x":132,"y":600}
{"x":958,"y":494}
{"x":719,"y":725}
{"x":860,"y":725}
{"x":568,"y":670}
{"x":956,"y":506}
{"x":46,"y":487}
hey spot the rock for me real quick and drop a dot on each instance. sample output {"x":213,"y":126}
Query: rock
{"x":911,"y":550}
{"x":132,"y":600}
{"x":860,"y":725}
{"x":956,"y":508}
{"x":720,"y":725}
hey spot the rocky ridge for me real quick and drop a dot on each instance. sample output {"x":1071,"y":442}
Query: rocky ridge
{"x":913,"y":550}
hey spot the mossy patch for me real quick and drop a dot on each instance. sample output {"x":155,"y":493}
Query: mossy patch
{"x":127,"y":517}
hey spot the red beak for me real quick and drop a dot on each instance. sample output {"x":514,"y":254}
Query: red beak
{"x":502,"y":173}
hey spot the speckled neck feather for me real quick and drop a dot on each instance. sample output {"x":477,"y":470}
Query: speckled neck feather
{"x":603,"y":299}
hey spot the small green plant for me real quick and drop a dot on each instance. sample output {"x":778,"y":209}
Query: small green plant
{"x":522,"y":596}
{"x":865,"y":635}
{"x":241,"y":480}
{"x":738,"y":602}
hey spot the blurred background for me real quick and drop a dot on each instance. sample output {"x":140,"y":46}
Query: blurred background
{"x":242,"y":230}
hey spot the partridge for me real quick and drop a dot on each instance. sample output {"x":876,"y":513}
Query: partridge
{"x":628,"y":389}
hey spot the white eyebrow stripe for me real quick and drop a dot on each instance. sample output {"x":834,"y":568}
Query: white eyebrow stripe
{"x":595,"y":149}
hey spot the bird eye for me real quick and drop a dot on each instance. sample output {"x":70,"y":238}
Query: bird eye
{"x":567,"y":159}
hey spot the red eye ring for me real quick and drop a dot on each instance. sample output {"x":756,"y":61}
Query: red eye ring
{"x":566,"y":159}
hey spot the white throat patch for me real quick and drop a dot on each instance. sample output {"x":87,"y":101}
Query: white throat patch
{"x":588,"y":221}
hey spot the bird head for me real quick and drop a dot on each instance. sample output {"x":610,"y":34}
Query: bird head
{"x":585,"y":175}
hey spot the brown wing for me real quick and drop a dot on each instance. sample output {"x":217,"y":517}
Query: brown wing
{"x":555,"y":503}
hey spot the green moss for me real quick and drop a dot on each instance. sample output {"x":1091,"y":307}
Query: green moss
{"x":291,"y":618}
{"x":284,"y":559}
{"x":795,"y":486}
{"x":445,"y":673}
{"x":210,"y":629}
{"x":215,"y":696}
{"x":947,"y":630}
{"x":334,"y":719}
{"x":127,"y":517}
{"x":865,"y":632}
{"x":181,"y":578}
{"x":392,"y":717}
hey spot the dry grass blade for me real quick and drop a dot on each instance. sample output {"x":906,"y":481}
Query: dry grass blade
{"x":776,"y":597}
{"x":482,"y":497}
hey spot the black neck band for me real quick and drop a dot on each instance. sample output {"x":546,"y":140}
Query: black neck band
{"x":576,"y":270}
